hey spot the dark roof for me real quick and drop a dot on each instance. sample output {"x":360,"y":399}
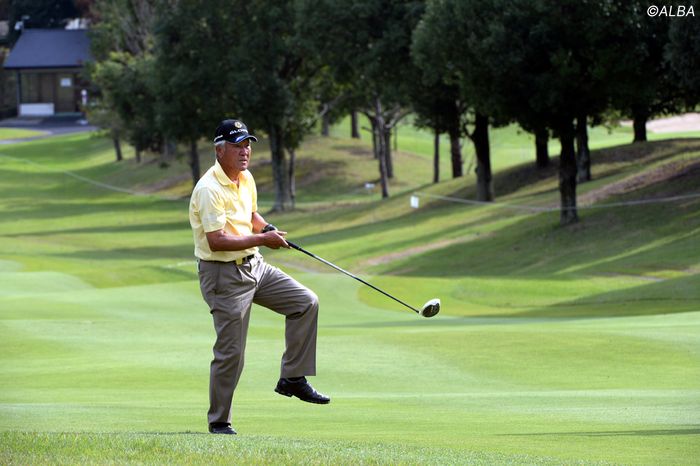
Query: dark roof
{"x":50,"y":48}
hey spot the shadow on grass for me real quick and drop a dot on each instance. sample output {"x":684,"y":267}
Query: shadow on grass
{"x":604,"y":241}
{"x":670,"y":296}
{"x":614,"y":433}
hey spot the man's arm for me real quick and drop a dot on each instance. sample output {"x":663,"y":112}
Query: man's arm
{"x":219,"y":240}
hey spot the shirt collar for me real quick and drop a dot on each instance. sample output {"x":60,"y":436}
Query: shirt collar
{"x":221,"y":175}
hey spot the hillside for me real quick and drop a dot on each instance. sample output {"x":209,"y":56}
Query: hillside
{"x":622,"y":245}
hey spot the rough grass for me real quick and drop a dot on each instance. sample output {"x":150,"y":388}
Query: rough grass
{"x":554,"y":346}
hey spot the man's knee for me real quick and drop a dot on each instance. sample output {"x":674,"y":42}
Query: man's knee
{"x":312,"y":299}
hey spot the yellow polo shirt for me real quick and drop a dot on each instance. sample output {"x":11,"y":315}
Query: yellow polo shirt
{"x":217,"y":203}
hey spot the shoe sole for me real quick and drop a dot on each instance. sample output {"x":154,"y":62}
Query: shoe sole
{"x":287,"y":394}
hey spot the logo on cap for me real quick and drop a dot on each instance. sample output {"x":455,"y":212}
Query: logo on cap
{"x":238,"y":124}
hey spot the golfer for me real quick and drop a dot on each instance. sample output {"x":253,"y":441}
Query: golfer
{"x":233,"y":275}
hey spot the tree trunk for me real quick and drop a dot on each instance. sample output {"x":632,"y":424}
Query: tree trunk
{"x":541,"y":147}
{"x":567,"y":176}
{"x":583,"y":153}
{"x":292,"y":181}
{"x":117,"y":148}
{"x":640,"y":125}
{"x":484,"y":179}
{"x":137,"y":152}
{"x":194,"y":162}
{"x":387,"y":152}
{"x":455,"y":153}
{"x":279,"y":171}
{"x":382,"y":167}
{"x":354,"y":125}
{"x":380,"y":149}
{"x":376,"y":143}
{"x":436,"y":158}
{"x":325,"y":125}
{"x":167,"y":153}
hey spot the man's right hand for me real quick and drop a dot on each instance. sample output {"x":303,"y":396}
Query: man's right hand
{"x":274,"y":239}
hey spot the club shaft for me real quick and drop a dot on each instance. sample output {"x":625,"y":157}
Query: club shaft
{"x":330,"y":264}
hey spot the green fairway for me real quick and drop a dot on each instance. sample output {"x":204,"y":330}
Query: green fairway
{"x":17,"y":133}
{"x":554,"y":345}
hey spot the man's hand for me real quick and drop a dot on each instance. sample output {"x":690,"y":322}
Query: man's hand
{"x":274,"y":239}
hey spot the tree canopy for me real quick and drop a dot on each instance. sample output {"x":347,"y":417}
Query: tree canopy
{"x":553,"y":67}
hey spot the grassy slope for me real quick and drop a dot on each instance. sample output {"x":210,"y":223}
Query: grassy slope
{"x":554,"y":345}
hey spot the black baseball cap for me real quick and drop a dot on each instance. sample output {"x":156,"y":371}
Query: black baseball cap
{"x":233,"y":131}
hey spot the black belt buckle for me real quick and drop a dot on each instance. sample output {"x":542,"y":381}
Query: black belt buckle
{"x":244,"y":260}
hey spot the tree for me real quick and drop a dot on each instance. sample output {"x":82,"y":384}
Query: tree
{"x":330,"y":96}
{"x":127,"y":87}
{"x":192,"y":91}
{"x":649,"y":87}
{"x":683,"y":54}
{"x":274,"y":81}
{"x":367,"y":45}
{"x":443,"y":50}
{"x":101,"y":116}
{"x":435,"y":95}
{"x":436,"y":107}
{"x":124,"y":68}
{"x":544,"y":64}
{"x":47,"y":14}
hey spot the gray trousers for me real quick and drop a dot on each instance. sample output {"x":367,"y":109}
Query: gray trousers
{"x":230,"y":290}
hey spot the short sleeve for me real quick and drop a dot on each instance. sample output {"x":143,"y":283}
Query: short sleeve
{"x":212,"y":212}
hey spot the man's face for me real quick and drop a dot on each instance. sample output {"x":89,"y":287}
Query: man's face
{"x":235,"y":157}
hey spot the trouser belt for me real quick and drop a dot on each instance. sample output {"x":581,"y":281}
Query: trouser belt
{"x":241,"y":261}
{"x":244,"y":260}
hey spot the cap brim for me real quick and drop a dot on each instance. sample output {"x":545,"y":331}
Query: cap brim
{"x":243,"y":138}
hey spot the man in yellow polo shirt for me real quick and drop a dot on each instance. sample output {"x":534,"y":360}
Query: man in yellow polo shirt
{"x":227,"y":231}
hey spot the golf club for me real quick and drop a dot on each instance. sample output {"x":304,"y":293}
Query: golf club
{"x":429,"y":309}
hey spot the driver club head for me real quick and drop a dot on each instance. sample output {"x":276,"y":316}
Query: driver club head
{"x":430,"y":308}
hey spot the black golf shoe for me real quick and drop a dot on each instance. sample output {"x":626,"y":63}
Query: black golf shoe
{"x":302,"y":390}
{"x":221,"y":428}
